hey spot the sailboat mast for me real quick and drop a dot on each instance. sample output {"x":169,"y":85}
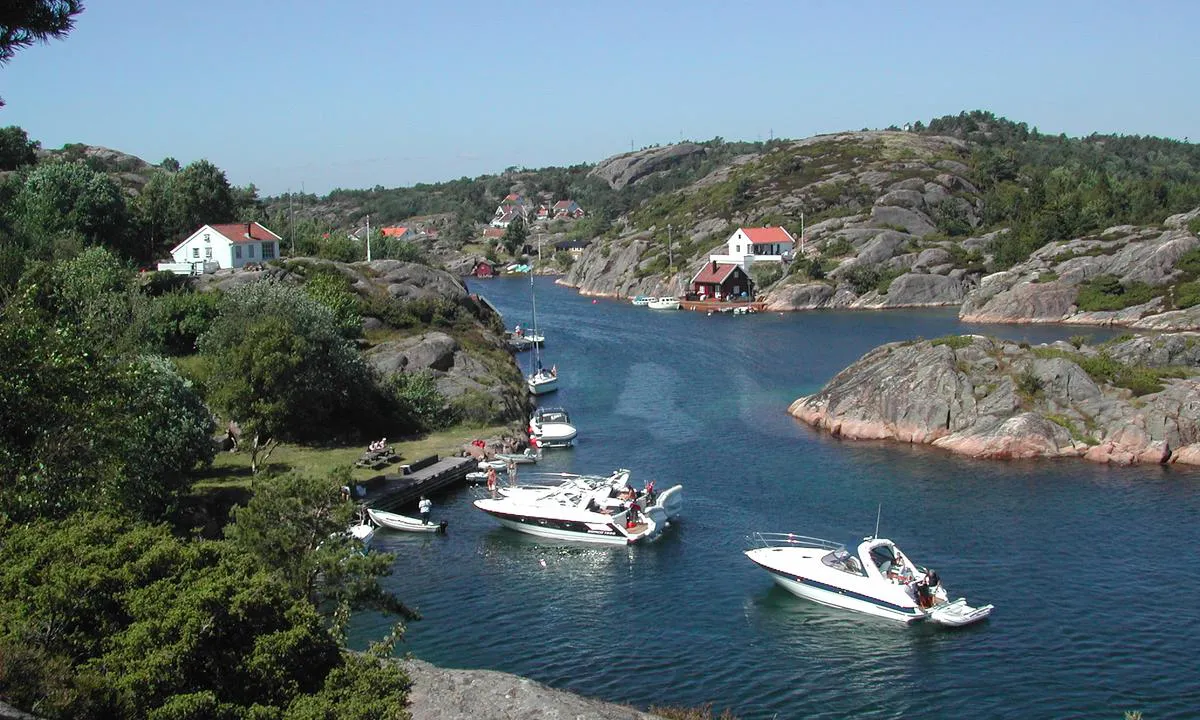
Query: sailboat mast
{"x":537,"y":352}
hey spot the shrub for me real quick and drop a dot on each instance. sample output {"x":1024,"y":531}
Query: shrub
{"x":862,"y":278}
{"x":419,"y":404}
{"x":1189,"y":262}
{"x":1194,"y":226}
{"x":476,"y":407}
{"x":1106,"y":292}
{"x":1079,"y":340}
{"x":1187,"y":294}
{"x":1047,"y":276}
{"x":1028,"y":383}
{"x":954,"y":342}
{"x":838,"y":248}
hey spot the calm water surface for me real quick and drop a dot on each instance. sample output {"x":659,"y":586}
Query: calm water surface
{"x":1091,"y":568}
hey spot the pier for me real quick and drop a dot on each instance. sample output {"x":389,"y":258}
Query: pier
{"x":723,"y":306}
{"x":421,"y":477}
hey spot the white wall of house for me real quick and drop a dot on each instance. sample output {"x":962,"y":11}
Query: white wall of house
{"x":207,"y":245}
{"x":739,"y":250}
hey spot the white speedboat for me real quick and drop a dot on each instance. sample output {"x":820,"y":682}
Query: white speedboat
{"x":362,"y":533}
{"x":599,"y":515}
{"x":619,"y":479}
{"x":663,"y":303}
{"x":531,"y":455}
{"x":552,"y":427}
{"x":392,"y":521}
{"x":877,"y":580}
{"x":641,"y":300}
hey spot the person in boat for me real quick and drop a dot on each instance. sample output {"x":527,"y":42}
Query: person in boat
{"x":517,"y":331}
{"x":512,"y":473}
{"x":425,"y":506}
{"x":491,"y":480}
{"x":554,"y":371}
{"x":627,"y":493}
{"x":631,"y":519}
{"x":650,"y":493}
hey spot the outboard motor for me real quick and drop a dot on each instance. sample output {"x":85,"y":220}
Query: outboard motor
{"x":442,"y":527}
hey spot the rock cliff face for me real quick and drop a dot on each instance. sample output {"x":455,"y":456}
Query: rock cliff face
{"x":445,"y":694}
{"x":890,"y":191}
{"x":989,"y":398}
{"x":622,"y":170}
{"x":1045,"y":288}
{"x":482,"y":366}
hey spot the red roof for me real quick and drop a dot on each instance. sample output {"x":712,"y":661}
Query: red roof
{"x":245,"y":232}
{"x":493,"y":232}
{"x":563,"y":203}
{"x":766,"y":235}
{"x":714,"y":273}
{"x":394,"y":231}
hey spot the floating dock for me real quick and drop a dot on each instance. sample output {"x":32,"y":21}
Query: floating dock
{"x":422,"y":477}
{"x":723,"y":306}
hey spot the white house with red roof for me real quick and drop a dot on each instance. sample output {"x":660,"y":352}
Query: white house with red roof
{"x":747,"y":246}
{"x":229,"y":245}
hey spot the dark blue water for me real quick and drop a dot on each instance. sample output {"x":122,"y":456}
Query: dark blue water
{"x":1091,"y":568}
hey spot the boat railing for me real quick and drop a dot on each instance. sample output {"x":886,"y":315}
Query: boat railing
{"x":760,"y":539}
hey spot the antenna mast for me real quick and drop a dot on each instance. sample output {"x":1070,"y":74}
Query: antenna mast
{"x":878,"y":512}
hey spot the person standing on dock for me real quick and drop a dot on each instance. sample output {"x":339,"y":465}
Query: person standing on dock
{"x":425,"y":506}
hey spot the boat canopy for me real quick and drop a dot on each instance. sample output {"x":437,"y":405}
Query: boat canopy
{"x":552,"y":415}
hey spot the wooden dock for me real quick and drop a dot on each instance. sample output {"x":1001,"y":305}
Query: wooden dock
{"x":423,"y":477}
{"x":723,"y":306}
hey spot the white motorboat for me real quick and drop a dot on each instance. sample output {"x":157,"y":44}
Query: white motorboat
{"x":362,"y":532}
{"x":392,"y":521}
{"x":619,"y":479}
{"x":530,"y":455}
{"x":641,"y":300}
{"x":663,"y":303}
{"x":552,"y":427}
{"x":597,"y":515}
{"x":877,"y":580}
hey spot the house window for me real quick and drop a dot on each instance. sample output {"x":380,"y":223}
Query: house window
{"x":737,"y":248}
{"x":208,"y":253}
{"x":268,"y":251}
{"x":196,"y":253}
{"x":237,"y":252}
{"x":250,"y":251}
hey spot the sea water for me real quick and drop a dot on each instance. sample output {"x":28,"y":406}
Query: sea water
{"x":1091,"y":568}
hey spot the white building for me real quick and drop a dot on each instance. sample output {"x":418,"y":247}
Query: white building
{"x":214,"y":247}
{"x":747,"y":246}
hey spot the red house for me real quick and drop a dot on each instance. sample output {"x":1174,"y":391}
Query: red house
{"x":483,"y":269}
{"x":721,"y":281}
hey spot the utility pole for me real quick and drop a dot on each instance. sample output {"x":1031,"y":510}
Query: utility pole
{"x":292,"y":221}
{"x":368,"y":238}
{"x":802,"y":233}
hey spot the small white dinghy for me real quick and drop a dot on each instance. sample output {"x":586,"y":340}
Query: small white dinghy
{"x":392,"y":521}
{"x":958,"y":613}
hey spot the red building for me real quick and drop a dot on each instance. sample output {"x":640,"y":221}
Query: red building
{"x":721,"y":280}
{"x":483,"y":269}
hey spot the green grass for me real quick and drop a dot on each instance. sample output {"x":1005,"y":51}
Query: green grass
{"x":233,"y":469}
{"x":955,"y":342}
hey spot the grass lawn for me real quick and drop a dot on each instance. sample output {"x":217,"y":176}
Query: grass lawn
{"x":233,"y":469}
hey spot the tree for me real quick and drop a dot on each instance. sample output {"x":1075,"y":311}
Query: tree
{"x":86,"y":428}
{"x":67,"y":200}
{"x":24,"y":22}
{"x":280,"y":366}
{"x":201,"y":195}
{"x":515,"y":236}
{"x":169,"y":164}
{"x":16,"y":149}
{"x":101,"y":617}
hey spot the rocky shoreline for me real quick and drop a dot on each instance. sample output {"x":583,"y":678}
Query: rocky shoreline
{"x":1136,"y":401}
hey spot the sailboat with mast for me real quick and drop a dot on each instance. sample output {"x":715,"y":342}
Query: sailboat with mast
{"x":540,"y":380}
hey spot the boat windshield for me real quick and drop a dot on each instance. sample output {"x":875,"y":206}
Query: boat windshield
{"x":555,"y":417}
{"x":841,"y":559}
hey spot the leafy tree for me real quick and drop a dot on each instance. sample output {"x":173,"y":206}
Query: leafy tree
{"x":420,"y":406}
{"x":59,"y":198}
{"x":176,"y":320}
{"x":765,"y":275}
{"x":25,"y":22}
{"x":330,"y":288}
{"x":153,"y":214}
{"x":280,"y":366}
{"x":101,"y":617}
{"x":515,"y":236}
{"x":16,"y":149}
{"x":247,"y":205}
{"x":295,"y":526}
{"x":85,"y":428}
{"x":201,"y":194}
{"x":169,"y":164}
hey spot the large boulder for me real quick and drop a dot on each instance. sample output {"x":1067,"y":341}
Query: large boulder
{"x":627,"y":169}
{"x":923,"y":290}
{"x":989,"y":398}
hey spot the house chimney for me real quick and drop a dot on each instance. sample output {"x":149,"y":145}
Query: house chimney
{"x":714,"y":262}
{"x":248,"y":233}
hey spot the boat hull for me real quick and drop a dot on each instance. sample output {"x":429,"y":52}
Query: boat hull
{"x":541,"y":386}
{"x":596,"y":533}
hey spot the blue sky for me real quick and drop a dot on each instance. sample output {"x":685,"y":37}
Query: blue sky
{"x":323,"y":95}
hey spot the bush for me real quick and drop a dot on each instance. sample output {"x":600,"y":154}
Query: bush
{"x":955,"y":342}
{"x":838,"y":248}
{"x":177,"y":319}
{"x":419,"y":405}
{"x":1028,"y":383}
{"x":476,"y":407}
{"x":1187,"y":294}
{"x":862,"y":278}
{"x":1105,"y":292}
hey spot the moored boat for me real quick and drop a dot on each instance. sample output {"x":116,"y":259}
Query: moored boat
{"x":641,"y":300}
{"x":605,"y":514}
{"x":663,"y":303}
{"x":552,"y":427}
{"x":877,"y":579}
{"x":403,"y":523}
